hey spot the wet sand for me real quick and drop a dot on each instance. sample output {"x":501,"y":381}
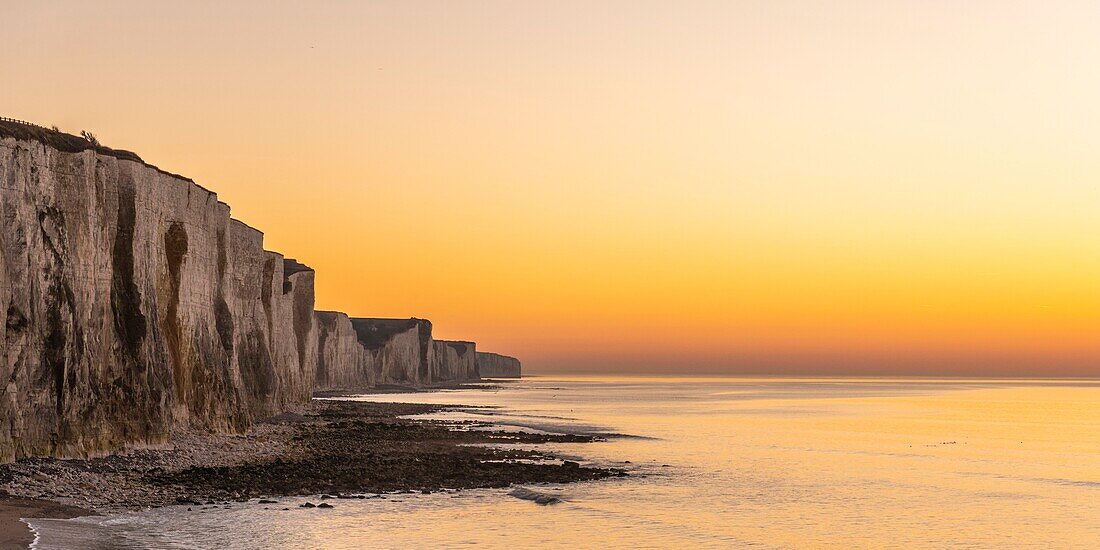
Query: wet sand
{"x":14,"y":533}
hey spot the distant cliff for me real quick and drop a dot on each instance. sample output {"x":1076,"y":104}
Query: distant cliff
{"x":401,"y":349}
{"x":361,"y":353}
{"x":342,"y":362}
{"x":494,"y":365}
{"x":134,"y":305}
{"x":454,"y":361}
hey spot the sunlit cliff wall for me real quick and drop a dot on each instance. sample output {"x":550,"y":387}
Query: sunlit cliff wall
{"x":454,"y":361}
{"x":358,"y":353}
{"x":361,"y":353}
{"x":342,"y":362}
{"x":401,"y":348}
{"x":494,"y":365}
{"x":134,"y":305}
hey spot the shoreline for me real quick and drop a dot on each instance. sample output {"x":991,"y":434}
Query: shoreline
{"x":390,"y":389}
{"x":333,"y":449}
{"x":15,"y":533}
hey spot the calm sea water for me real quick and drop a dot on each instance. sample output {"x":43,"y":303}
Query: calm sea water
{"x":720,"y":463}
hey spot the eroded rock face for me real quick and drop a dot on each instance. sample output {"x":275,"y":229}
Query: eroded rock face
{"x":454,"y":361}
{"x":401,"y":349}
{"x":342,"y":362}
{"x":494,"y":365}
{"x":291,"y":336}
{"x":134,"y":305}
{"x":362,"y":353}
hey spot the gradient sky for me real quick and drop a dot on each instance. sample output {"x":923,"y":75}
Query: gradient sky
{"x":756,"y":186}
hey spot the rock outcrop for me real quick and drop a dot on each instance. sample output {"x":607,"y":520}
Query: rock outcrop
{"x":494,"y":365}
{"x":134,"y":305}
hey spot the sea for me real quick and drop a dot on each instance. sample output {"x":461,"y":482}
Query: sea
{"x":717,"y":462}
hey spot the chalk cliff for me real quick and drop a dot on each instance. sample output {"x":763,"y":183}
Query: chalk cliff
{"x":361,"y":353}
{"x":134,"y":305}
{"x":401,"y":349}
{"x":454,"y":361}
{"x":494,"y":365}
{"x":342,"y":362}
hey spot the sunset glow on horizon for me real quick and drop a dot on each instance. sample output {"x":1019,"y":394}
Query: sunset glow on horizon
{"x":707,"y":187}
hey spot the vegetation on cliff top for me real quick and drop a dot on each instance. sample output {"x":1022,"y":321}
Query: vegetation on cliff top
{"x":68,"y":143}
{"x":60,"y":140}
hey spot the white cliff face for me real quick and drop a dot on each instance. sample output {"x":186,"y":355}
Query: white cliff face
{"x":454,"y":362}
{"x":292,"y":330}
{"x":401,"y":348}
{"x":342,"y":362}
{"x":135,"y":305}
{"x":361,"y":353}
{"x":494,"y":365}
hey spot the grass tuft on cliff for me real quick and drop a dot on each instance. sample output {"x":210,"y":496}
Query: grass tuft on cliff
{"x":60,"y":140}
{"x":68,"y":143}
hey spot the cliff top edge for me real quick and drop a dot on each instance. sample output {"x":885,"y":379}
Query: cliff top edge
{"x":69,"y":143}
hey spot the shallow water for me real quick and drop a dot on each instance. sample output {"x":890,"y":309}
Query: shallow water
{"x":718,"y":463}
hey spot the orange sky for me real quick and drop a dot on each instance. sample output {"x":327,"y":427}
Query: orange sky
{"x":756,"y":186}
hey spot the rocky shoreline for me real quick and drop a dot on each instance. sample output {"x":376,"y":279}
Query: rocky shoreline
{"x":332,"y":449}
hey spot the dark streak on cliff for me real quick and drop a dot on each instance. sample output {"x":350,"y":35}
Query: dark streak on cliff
{"x":424,"y":327}
{"x":16,"y":321}
{"x":125,"y":298}
{"x":303,"y":323}
{"x":64,"y":338}
{"x":175,"y":248}
{"x":223,"y":318}
{"x":265,"y":296}
{"x":58,"y":297}
{"x":256,"y":372}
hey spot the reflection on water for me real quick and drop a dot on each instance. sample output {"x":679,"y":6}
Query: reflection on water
{"x":725,"y":462}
